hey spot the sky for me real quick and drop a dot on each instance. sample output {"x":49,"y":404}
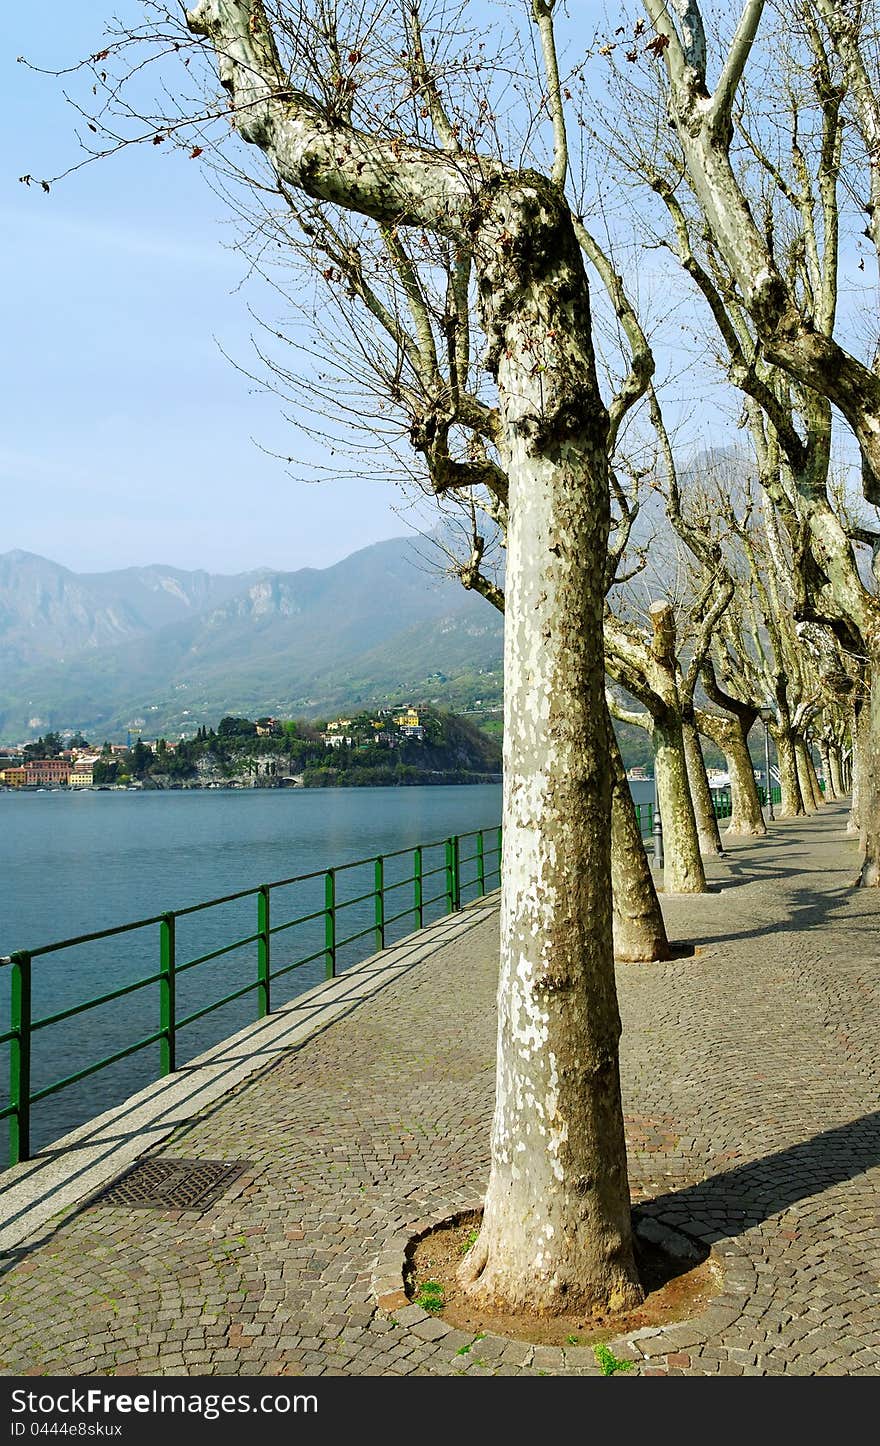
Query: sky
{"x":126,"y":436}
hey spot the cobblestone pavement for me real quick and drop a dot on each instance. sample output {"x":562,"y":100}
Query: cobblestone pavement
{"x":750,"y":1076}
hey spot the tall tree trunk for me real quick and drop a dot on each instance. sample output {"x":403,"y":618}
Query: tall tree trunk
{"x":730,"y":735}
{"x":869,"y":781}
{"x":825,"y":754}
{"x":859,"y":715}
{"x":834,"y":772}
{"x":556,"y":1226}
{"x":804,"y":769}
{"x":701,"y":793}
{"x":812,"y":775}
{"x":556,"y":1231}
{"x":747,"y":816}
{"x":639,"y":929}
{"x":791,"y":803}
{"x":683,"y":871}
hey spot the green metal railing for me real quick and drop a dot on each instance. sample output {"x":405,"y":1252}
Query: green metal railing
{"x":721,"y":803}
{"x":469,"y":864}
{"x":645,"y":816}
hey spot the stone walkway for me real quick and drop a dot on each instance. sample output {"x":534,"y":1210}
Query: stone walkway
{"x":750,"y":1074}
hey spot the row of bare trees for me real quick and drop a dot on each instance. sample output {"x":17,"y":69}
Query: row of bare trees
{"x":460,"y":222}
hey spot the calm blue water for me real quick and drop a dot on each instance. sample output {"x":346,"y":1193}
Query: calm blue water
{"x":75,"y":863}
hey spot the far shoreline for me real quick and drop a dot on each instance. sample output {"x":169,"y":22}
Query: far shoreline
{"x":422,"y":782}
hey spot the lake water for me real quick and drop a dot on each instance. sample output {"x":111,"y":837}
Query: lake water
{"x":74,"y":863}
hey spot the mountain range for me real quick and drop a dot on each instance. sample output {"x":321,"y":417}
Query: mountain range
{"x":162,"y":649}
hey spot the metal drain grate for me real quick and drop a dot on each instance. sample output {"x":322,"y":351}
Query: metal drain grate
{"x":172,"y":1184}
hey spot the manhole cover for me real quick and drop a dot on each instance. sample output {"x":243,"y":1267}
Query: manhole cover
{"x":172,"y":1184}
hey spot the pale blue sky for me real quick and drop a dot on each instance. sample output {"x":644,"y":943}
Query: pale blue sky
{"x":125,"y":434}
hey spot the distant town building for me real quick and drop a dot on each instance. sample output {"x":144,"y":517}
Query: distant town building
{"x":407,"y":721}
{"x":718,"y":778}
{"x":81,"y":776}
{"x":337,"y":740}
{"x":53,"y":771}
{"x":14,"y":777}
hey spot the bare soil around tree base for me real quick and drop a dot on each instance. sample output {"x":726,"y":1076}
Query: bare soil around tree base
{"x":676,"y":1288}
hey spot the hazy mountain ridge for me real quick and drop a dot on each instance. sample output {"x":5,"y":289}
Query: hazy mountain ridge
{"x":95,"y":651}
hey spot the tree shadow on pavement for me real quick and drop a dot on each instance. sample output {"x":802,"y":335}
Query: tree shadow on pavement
{"x":725,"y":1205}
{"x":804,"y":909}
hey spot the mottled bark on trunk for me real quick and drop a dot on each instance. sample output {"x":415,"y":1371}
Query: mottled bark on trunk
{"x":683,"y":871}
{"x":859,"y":715}
{"x":831,"y":792}
{"x":869,"y":781}
{"x":813,"y":776}
{"x":791,"y":804}
{"x":701,"y":794}
{"x":834,"y":772}
{"x":639,"y":929}
{"x":731,"y":736}
{"x":747,"y":816}
{"x":556,"y":1225}
{"x":804,"y":768}
{"x":556,"y":1232}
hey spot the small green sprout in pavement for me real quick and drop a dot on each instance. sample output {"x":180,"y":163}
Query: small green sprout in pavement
{"x":608,"y":1362}
{"x":430,"y":1295}
{"x":463,"y":1350}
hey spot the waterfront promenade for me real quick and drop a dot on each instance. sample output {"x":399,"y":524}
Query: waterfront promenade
{"x":751,"y":1078}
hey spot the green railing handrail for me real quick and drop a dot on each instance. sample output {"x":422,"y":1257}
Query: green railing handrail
{"x":487,"y":861}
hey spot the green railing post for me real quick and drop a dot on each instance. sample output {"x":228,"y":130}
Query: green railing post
{"x":379,"y":900}
{"x":449,"y":866}
{"x":20,"y":1060}
{"x":167,"y":1003}
{"x":418,"y":909}
{"x":264,"y":944}
{"x":330,"y":924}
{"x":481,"y":865}
{"x":456,"y":871}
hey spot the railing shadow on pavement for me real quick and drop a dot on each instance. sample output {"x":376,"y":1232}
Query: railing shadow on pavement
{"x":108,"y":1135}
